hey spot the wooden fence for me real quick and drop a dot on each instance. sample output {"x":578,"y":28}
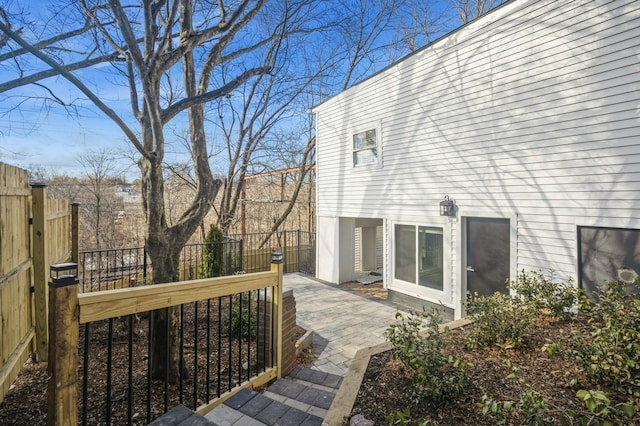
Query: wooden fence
{"x":35,"y":232}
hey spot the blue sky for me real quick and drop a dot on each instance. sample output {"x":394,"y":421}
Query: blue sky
{"x":51,"y":138}
{"x":35,"y":135}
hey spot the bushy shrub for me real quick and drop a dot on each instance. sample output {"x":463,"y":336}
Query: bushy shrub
{"x":419,"y":345}
{"x":611,"y":353}
{"x":602,"y":410}
{"x":241,"y":321}
{"x":544,"y":295}
{"x":499,"y":319}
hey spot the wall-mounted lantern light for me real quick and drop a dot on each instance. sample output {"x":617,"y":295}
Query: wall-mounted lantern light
{"x":447,"y":208}
{"x":276,"y":257}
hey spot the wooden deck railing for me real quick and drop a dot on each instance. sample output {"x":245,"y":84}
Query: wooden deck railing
{"x":71,"y":311}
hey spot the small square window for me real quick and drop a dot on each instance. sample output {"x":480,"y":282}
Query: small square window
{"x":365,"y":148}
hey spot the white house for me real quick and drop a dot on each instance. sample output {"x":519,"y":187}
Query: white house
{"x":527,"y":118}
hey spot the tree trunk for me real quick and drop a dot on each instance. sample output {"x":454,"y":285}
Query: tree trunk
{"x":165,"y":323}
{"x":164,"y":253}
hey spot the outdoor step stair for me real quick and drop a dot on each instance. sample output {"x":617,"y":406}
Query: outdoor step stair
{"x":301,"y":398}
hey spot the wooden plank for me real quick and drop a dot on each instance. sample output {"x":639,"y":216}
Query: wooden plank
{"x":5,"y":279}
{"x":10,"y":369}
{"x":58,"y":214}
{"x":114,"y":303}
{"x":14,"y":236}
{"x":16,"y":330}
{"x":7,"y":191}
{"x":40,"y":265}
{"x":62,"y":258}
{"x":277,"y":302}
{"x":75,"y":232}
{"x":58,"y":230}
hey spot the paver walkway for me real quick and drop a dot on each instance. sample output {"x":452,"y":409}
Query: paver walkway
{"x":342,"y":321}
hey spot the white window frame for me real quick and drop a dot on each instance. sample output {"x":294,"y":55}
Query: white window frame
{"x":414,"y":289}
{"x":377,"y":128}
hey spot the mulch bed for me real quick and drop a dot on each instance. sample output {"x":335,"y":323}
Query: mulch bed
{"x":385,"y":384}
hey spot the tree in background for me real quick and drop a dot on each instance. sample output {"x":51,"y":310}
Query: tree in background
{"x":468,"y":10}
{"x":100,"y":205}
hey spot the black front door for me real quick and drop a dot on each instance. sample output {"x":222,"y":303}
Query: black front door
{"x":488,"y":255}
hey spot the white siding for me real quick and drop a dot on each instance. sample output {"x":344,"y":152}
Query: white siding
{"x":532,"y":111}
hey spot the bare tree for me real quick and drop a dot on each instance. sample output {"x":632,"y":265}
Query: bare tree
{"x":247,"y":136}
{"x":468,"y":10}
{"x":102,"y":206}
{"x":365,"y":32}
{"x":419,"y":22}
{"x":151,"y":45}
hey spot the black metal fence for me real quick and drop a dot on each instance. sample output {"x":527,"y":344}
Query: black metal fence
{"x":298,"y":247}
{"x":129,"y":267}
{"x":112,"y":268}
{"x":223,"y":343}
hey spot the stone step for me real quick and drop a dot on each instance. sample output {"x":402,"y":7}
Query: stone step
{"x":302,"y":398}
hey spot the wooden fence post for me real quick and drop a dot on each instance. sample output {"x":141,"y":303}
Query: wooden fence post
{"x":62,"y":390}
{"x":277,"y":266}
{"x":75,"y":232}
{"x":40,"y":264}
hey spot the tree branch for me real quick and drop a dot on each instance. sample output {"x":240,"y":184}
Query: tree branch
{"x":230,"y":28}
{"x":53,"y":95}
{"x":45,"y":43}
{"x":304,"y":169}
{"x":84,"y":89}
{"x":23,"y":81}
{"x":129,"y":37}
{"x":91,"y":15}
{"x":183,"y":104}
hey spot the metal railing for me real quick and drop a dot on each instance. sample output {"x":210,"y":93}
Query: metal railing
{"x":109,"y":269}
{"x":299,"y":248}
{"x":228,"y":335}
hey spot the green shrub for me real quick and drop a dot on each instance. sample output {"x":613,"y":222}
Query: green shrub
{"x":543,"y":295}
{"x":403,"y":417}
{"x":531,"y":405}
{"x":436,"y":377}
{"x":212,"y":254}
{"x":610,"y":354}
{"x":238,"y":322}
{"x":602,"y":410}
{"x":499,"y":319}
